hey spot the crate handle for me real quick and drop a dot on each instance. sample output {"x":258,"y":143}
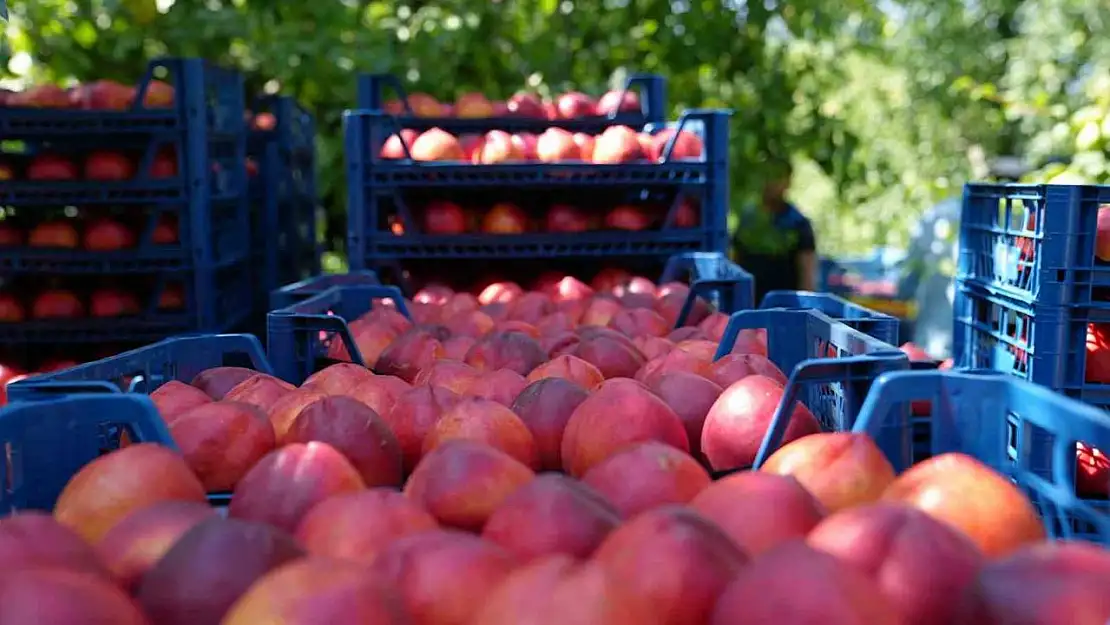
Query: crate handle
{"x":30,"y":390}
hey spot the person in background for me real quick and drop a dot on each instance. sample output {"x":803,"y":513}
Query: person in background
{"x":775,"y":241}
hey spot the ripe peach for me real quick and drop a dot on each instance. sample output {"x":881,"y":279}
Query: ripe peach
{"x":687,"y":145}
{"x":62,"y":597}
{"x":473,"y":105}
{"x":357,"y":526}
{"x":636,"y":322}
{"x":556,"y":145}
{"x":968,"y":495}
{"x":674,"y":561}
{"x":413,"y":415}
{"x":32,"y":540}
{"x":259,"y":390}
{"x":690,"y":396}
{"x":613,"y":358}
{"x":139,"y":541}
{"x":571,"y":368}
{"x":219,"y":380}
{"x":472,"y":323}
{"x":357,"y":432}
{"x":618,"y":101}
{"x":740,"y":418}
{"x":173,"y":398}
{"x":653,"y":347}
{"x":456,"y":347}
{"x":284,"y":485}
{"x":394,"y":146}
{"x":436,"y":145}
{"x":370,"y":341}
{"x":545,"y":407}
{"x":759,"y":511}
{"x":338,"y":378}
{"x":500,"y":292}
{"x":412,"y":351}
{"x":767,"y":591}
{"x":462,"y":482}
{"x":645,"y":476}
{"x":222,"y":440}
{"x":209,"y":568}
{"x":113,"y":486}
{"x":506,"y":350}
{"x":670,"y":304}
{"x":285,"y":410}
{"x":501,"y":386}
{"x":488,"y":422}
{"x":841,"y":469}
{"x":1052,"y":584}
{"x":555,"y":323}
{"x":618,"y":144}
{"x":619,"y":413}
{"x":600,"y":311}
{"x":551,"y":514}
{"x":735,"y":367}
{"x":443,"y":576}
{"x":449,"y":374}
{"x":919,"y":563}
{"x":318,"y":590}
{"x":673,"y":361}
{"x":379,"y":392}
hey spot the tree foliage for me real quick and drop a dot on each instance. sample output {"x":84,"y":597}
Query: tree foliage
{"x":886,"y":107}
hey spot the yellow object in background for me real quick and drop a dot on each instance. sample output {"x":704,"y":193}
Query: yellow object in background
{"x":142,"y":11}
{"x":894,"y":308}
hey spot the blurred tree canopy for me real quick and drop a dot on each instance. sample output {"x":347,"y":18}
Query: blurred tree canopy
{"x":886,"y":107}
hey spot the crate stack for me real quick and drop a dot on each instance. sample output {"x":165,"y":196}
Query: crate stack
{"x":124,"y":213}
{"x":436,"y":189}
{"x":281,"y":169}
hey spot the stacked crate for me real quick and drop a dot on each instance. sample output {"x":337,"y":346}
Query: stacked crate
{"x":125,"y":213}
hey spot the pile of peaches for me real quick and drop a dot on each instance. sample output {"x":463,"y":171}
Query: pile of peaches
{"x":615,"y":145}
{"x":570,"y":105}
{"x":99,"y":95}
{"x":61,"y":303}
{"x":536,"y":457}
{"x":444,"y":217}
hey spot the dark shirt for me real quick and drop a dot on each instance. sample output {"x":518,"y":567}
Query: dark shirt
{"x":769,"y":251}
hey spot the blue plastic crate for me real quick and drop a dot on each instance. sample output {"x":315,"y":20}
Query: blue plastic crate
{"x":374,"y":90}
{"x":299,"y":291}
{"x":1043,"y":344}
{"x":380,"y":191}
{"x":1034,"y":243}
{"x":877,"y":324}
{"x":1024,"y":431}
{"x":48,"y":438}
{"x":831,"y":368}
{"x":300,"y":335}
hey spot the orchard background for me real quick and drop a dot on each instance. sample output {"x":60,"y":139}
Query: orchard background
{"x":886,"y":107}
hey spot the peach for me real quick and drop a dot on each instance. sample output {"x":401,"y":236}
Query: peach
{"x":968,"y":495}
{"x":645,"y":476}
{"x":600,"y":311}
{"x":32,"y":540}
{"x":370,"y":341}
{"x":114,"y":485}
{"x":61,"y":597}
{"x":545,"y":406}
{"x":285,"y":410}
{"x":318,"y":590}
{"x":259,"y":390}
{"x":653,"y":347}
{"x":699,"y":349}
{"x":338,"y":378}
{"x":767,"y":591}
{"x":571,"y":368}
{"x":619,"y":413}
{"x":209,"y":568}
{"x":501,"y":386}
{"x":471,"y":323}
{"x":524,"y":104}
{"x":498,"y":147}
{"x":618,"y":101}
{"x":735,"y":367}
{"x":670,"y":304}
{"x":574,"y":104}
{"x":462,"y":482}
{"x":222,"y":440}
{"x":473,"y":105}
{"x":357,"y":526}
{"x":443,"y":576}
{"x":571,"y":289}
{"x":500,"y":292}
{"x":556,"y":145}
{"x":173,"y":398}
{"x":739,"y":420}
{"x":613,"y":358}
{"x":505,"y":218}
{"x":449,"y":374}
{"x":1050,"y":584}
{"x":515,"y":325}
{"x":714,"y":326}
{"x":506,"y":350}
{"x":394,"y":147}
{"x":687,"y":145}
{"x":412,"y":351}
{"x":759,"y":511}
{"x":618,"y":144}
{"x":216,"y":382}
{"x":551,"y":514}
{"x":673,"y":561}
{"x":357,"y":432}
{"x":555,"y":323}
{"x":631,"y":218}
{"x":384,"y":312}
{"x":379,"y":392}
{"x":456,"y":347}
{"x":142,"y":538}
{"x":687,"y":333}
{"x":488,"y":422}
{"x":424,"y":105}
{"x":284,"y":485}
{"x":918,"y":563}
{"x":436,"y":145}
{"x":558,"y":590}
{"x":841,"y":469}
{"x":637,"y":322}
{"x":585,"y":145}
{"x":673,"y":361}
{"x":691,"y":397}
{"x":526,"y":142}
{"x":531,"y":307}
{"x":413,"y":415}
